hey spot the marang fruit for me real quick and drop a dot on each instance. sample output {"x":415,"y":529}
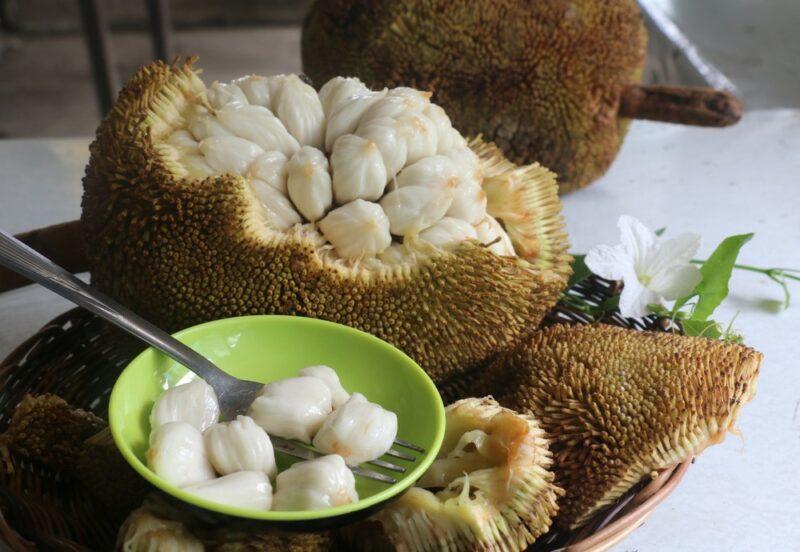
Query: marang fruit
{"x":552,"y":81}
{"x":181,"y":241}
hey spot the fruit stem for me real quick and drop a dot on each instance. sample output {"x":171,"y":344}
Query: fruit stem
{"x":62,"y":243}
{"x":695,"y":106}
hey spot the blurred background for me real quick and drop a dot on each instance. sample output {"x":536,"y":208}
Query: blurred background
{"x":59,"y":58}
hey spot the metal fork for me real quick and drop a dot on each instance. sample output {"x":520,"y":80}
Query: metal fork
{"x":234,"y":395}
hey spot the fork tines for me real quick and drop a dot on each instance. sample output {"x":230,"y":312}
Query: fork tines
{"x":302,"y":451}
{"x":408,"y":445}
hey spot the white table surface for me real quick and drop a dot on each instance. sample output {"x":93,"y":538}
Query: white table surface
{"x":743,"y":495}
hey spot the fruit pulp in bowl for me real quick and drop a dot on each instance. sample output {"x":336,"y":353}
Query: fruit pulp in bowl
{"x":268,"y":348}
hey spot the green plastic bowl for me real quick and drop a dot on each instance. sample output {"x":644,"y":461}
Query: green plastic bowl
{"x":268,"y":348}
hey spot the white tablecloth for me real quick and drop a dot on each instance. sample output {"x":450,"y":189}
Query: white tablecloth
{"x":743,"y":495}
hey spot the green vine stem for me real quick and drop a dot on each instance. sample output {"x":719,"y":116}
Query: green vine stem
{"x":776,"y":274}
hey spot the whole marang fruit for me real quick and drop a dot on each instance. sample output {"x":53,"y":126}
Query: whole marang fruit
{"x":363,"y":207}
{"x":551,"y":81}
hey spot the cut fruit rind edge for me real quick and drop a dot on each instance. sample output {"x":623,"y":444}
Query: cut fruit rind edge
{"x":505,"y":506}
{"x":530,"y":208}
{"x":535,"y":222}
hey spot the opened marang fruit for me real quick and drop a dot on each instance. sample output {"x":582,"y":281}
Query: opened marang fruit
{"x":358,"y":206}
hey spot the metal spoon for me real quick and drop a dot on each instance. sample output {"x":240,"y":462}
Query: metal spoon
{"x":234,"y":395}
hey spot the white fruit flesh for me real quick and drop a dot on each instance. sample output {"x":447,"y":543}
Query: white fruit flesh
{"x":358,"y":228}
{"x":469,"y":201}
{"x":255,"y":88}
{"x":436,"y":171}
{"x":258,"y":125}
{"x":221,"y":94}
{"x":385,"y":133}
{"x":448,"y":233}
{"x":244,"y":489}
{"x":314,"y":485}
{"x":294,"y":408}
{"x":345,"y":117}
{"x":184,"y":142}
{"x":194,"y":403}
{"x":337,"y":90}
{"x":276,"y":207}
{"x":329,"y":377}
{"x":352,"y":168}
{"x":177,"y":454}
{"x":272,"y":168}
{"x":412,"y":209}
{"x":359,"y":431}
{"x":420,"y":134}
{"x":491,"y":234}
{"x":309,"y":183}
{"x":240,"y":445}
{"x":301,"y":112}
{"x":229,"y":153}
{"x":358,"y":169}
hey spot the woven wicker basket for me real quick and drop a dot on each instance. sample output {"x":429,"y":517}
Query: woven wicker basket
{"x":78,"y":357}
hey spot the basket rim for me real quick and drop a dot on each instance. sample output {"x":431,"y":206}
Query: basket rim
{"x":635,"y":511}
{"x":654,"y":493}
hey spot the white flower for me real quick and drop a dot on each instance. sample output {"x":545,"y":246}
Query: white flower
{"x":651,"y":269}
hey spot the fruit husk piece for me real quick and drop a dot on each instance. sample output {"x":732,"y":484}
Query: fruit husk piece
{"x":47,"y":429}
{"x":224,"y":541}
{"x":497,"y":493}
{"x":180,"y":251}
{"x":227,"y":538}
{"x":98,"y":459}
{"x":143,"y":531}
{"x":619,"y":404}
{"x":50,"y":431}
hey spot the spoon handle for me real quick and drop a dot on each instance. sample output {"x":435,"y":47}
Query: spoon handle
{"x":27,"y":262}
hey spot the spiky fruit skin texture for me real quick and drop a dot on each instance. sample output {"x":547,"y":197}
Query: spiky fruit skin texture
{"x":48,"y":430}
{"x":502,"y":503}
{"x":541,"y":78}
{"x":180,"y":252}
{"x":619,"y":404}
{"x":229,"y":537}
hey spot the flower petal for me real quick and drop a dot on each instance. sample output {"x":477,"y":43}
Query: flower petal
{"x":670,"y":254}
{"x":677,"y":282}
{"x":634,"y":299}
{"x":608,"y":262}
{"x":636,"y":238}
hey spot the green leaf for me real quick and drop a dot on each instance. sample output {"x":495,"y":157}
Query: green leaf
{"x":611,"y":303}
{"x":660,"y":231}
{"x":608,"y":305}
{"x":702,"y":328}
{"x":716,"y":272}
{"x":579,"y":270}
